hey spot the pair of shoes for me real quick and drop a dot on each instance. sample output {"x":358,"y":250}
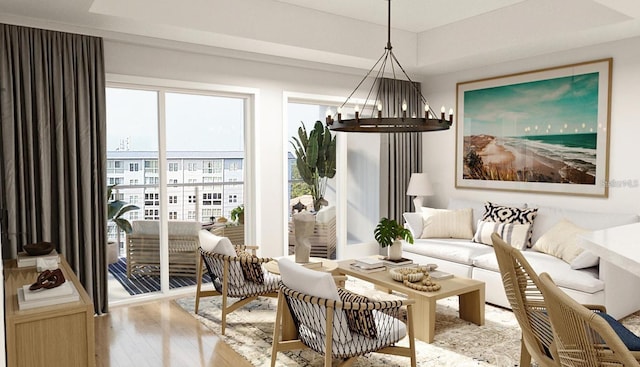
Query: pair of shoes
{"x":48,"y":279}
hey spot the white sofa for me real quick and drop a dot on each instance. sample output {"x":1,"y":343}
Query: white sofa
{"x":604,"y":284}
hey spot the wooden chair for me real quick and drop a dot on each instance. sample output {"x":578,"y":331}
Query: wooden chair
{"x":322,"y":325}
{"x":582,"y":337}
{"x":226,"y":273}
{"x":521,"y":286}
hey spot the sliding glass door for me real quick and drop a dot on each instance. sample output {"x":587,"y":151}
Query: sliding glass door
{"x":178,"y":155}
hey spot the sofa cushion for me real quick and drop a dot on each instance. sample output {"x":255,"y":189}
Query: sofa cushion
{"x":585,"y":280}
{"x":561,"y":241}
{"x":514,"y":234}
{"x":454,"y":250}
{"x":443,"y":223}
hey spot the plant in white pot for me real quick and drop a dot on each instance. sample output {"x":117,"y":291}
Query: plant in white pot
{"x":388,"y":232}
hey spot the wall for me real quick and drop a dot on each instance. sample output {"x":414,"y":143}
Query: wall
{"x":439,"y":148}
{"x":271,"y":82}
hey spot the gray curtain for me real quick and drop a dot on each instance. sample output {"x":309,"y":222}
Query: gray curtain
{"x":402,"y":152}
{"x":52,"y":142}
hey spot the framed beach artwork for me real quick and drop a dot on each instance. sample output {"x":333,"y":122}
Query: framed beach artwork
{"x":540,"y":131}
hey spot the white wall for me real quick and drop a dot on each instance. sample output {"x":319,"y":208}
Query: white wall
{"x":439,"y":148}
{"x":272,"y":82}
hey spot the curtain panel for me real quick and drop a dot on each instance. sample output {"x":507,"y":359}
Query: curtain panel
{"x":52,"y":142}
{"x":401,"y":152}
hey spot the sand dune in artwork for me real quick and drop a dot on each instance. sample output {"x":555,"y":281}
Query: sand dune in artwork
{"x":501,"y":161}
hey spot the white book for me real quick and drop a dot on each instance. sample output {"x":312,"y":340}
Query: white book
{"x":369,"y":263}
{"x":49,"y":301}
{"x":355,"y":266}
{"x":25,"y":260}
{"x":440,"y":275}
{"x":63,"y":289}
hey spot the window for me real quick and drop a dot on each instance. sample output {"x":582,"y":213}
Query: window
{"x":116,"y":180}
{"x":192,"y":166}
{"x":151,"y":214}
{"x":207,"y":198}
{"x":207,"y":179}
{"x":133,"y":215}
{"x":173,"y":181}
{"x":151,"y":166}
{"x":173,"y":215}
{"x":192,"y":180}
{"x":191,"y":199}
{"x":233,"y":198}
{"x":151,"y":180}
{"x":134,"y":167}
{"x":152,"y":199}
{"x":114,"y":166}
{"x":133,"y":199}
{"x":173,"y":199}
{"x":174,"y":166}
{"x":133,"y":182}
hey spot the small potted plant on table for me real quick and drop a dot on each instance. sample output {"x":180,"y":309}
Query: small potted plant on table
{"x":388,"y":232}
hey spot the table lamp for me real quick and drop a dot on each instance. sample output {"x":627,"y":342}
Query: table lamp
{"x":419,"y":186}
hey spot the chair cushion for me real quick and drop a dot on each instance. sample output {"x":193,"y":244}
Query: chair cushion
{"x":359,"y":321}
{"x":251,"y":271}
{"x":208,"y":240}
{"x":307,"y":281}
{"x":631,"y":340}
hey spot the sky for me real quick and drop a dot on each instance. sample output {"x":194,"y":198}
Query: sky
{"x":565,"y":105}
{"x":193,"y":122}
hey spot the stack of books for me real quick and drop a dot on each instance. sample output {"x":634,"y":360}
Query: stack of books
{"x":399,"y":262}
{"x":25,"y":260}
{"x":368,"y":265}
{"x":28,"y":299}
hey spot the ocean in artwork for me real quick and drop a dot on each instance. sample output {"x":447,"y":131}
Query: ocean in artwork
{"x":565,"y":158}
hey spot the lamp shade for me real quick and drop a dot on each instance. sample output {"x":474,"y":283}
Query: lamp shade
{"x":419,"y":185}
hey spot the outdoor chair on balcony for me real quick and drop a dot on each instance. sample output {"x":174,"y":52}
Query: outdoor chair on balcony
{"x":335,"y":322}
{"x":143,"y":248}
{"x":234,"y":273}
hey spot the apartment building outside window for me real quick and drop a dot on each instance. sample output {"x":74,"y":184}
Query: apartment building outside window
{"x":152,"y":199}
{"x":134,"y":167}
{"x":174,"y":166}
{"x":115,"y":167}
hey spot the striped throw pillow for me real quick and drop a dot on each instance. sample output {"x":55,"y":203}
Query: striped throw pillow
{"x":516,"y":235}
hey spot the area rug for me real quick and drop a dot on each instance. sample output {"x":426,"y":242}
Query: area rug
{"x":457,"y":342}
{"x":139,"y":284}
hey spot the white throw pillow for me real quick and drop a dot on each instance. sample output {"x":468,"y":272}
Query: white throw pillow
{"x":586,"y":259}
{"x":514,"y":234}
{"x":413,"y":221}
{"x":561,"y":241}
{"x":444,"y":223}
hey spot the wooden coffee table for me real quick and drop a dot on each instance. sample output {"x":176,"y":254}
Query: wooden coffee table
{"x":470,"y":294}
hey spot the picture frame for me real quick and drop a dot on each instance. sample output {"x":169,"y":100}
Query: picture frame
{"x":544,"y":131}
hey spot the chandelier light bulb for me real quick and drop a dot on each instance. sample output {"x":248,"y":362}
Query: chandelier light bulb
{"x":379,"y":106}
{"x":404,"y":105}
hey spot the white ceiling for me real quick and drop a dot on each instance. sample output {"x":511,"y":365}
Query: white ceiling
{"x":429,"y":36}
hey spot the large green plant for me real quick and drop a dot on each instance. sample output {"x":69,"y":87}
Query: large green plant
{"x":116,"y":209}
{"x":388,"y":230}
{"x":315,"y":159}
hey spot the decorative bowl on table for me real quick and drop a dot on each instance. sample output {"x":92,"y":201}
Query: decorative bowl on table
{"x":38,"y":248}
{"x":412,"y":274}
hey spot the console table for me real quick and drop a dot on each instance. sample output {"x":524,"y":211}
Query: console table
{"x":58,"y":335}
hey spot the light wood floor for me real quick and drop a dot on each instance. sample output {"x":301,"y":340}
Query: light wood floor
{"x":159,"y":334}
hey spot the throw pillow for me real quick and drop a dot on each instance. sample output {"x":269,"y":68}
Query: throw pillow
{"x":510,"y":214}
{"x":251,"y":271}
{"x":413,"y":221}
{"x":514,"y":234}
{"x":586,"y":259}
{"x":359,"y":321}
{"x":561,"y":241}
{"x":443,"y":223}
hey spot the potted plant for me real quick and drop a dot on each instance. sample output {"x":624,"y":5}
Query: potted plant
{"x":237,"y":214}
{"x":388,"y":232}
{"x":315,"y":159}
{"x":116,"y":209}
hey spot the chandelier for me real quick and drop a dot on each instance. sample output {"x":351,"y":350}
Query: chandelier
{"x":389,"y":118}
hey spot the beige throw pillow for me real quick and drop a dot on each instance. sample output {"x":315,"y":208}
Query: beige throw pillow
{"x":443,"y":223}
{"x":561,"y":241}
